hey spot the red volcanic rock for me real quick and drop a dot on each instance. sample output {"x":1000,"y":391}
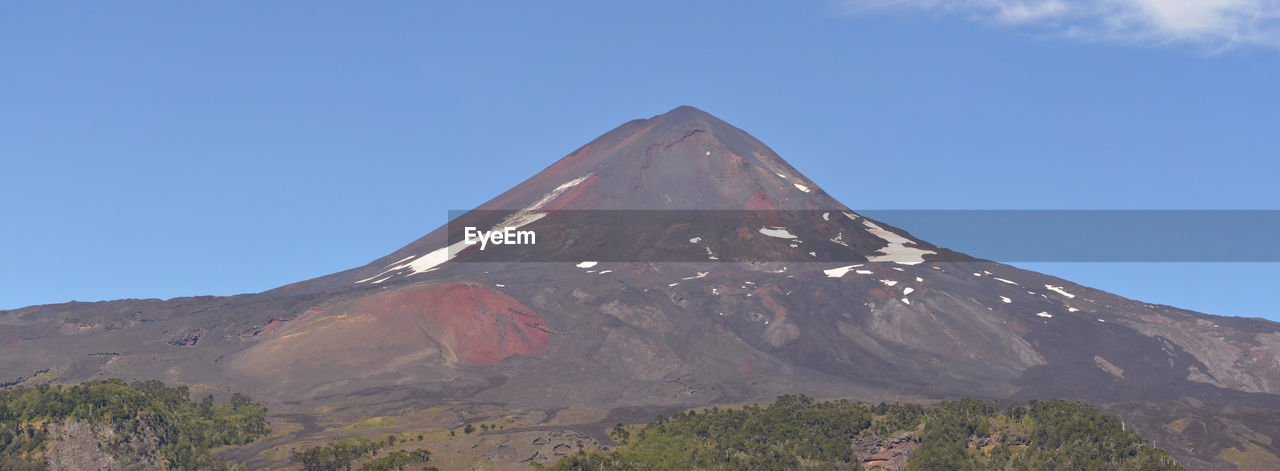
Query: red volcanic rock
{"x":578,"y":191}
{"x":478,"y":325}
{"x":760,"y":202}
{"x":396,"y":332}
{"x":879,"y":294}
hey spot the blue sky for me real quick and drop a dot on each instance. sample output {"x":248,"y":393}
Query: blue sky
{"x":153,"y":149}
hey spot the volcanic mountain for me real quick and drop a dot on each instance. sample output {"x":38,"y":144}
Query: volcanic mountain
{"x":748,"y":281}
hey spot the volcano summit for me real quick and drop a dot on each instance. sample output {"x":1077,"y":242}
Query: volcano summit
{"x":587,"y":329}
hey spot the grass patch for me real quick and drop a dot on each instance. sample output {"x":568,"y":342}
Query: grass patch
{"x":376,"y":422}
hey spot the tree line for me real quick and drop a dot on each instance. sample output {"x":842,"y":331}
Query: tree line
{"x":182,"y":431}
{"x":797,"y":432}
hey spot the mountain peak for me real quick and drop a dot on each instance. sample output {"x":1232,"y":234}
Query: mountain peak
{"x":684,"y":120}
{"x":686,"y":113}
{"x":683,"y":159}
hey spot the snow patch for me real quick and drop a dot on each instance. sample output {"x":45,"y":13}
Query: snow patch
{"x":779,"y":232}
{"x":839,"y":239}
{"x":905,"y":300}
{"x":1058,"y":289}
{"x":897,"y":250}
{"x":889,"y":282}
{"x":433,"y":259}
{"x":907,"y":290}
{"x":695,"y":240}
{"x":1006,"y":300}
{"x":604,"y":271}
{"x":919,"y":280}
{"x":1072,"y":309}
{"x":863,"y":272}
{"x":841,"y":271}
{"x":701,"y":274}
{"x":1005,"y":281}
{"x":1044,"y":314}
{"x":801,"y":187}
{"x":587,"y":264}
{"x":423,"y":264}
{"x":556,"y":193}
{"x":826,"y":216}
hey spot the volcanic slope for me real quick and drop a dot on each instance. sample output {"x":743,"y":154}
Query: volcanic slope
{"x":741,"y":316}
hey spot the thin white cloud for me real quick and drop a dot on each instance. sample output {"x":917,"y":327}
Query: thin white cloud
{"x":1219,"y":24}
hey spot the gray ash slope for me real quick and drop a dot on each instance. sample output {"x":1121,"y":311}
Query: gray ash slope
{"x":912,"y":321}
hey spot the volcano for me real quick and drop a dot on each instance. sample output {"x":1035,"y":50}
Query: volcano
{"x":788,"y":291}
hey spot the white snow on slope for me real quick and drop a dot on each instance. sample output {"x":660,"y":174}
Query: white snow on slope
{"x":1006,"y":300}
{"x":433,"y":259}
{"x":1005,"y":281}
{"x":839,"y":239}
{"x":897,"y":250}
{"x":889,"y":282}
{"x":587,"y":264}
{"x":1058,"y":289}
{"x":863,"y":272}
{"x":801,"y":187}
{"x":549,"y":197}
{"x":841,"y":271}
{"x":779,"y":232}
{"x":421,"y":264}
{"x":907,"y":290}
{"x":1044,"y":314}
